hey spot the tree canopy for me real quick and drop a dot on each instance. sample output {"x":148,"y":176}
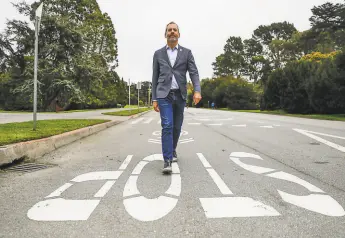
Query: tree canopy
{"x":300,"y":72}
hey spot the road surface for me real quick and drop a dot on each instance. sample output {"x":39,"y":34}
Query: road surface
{"x":238,"y":175}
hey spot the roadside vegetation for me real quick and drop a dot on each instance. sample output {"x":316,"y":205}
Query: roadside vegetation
{"x":23,"y":131}
{"x":128,"y":112}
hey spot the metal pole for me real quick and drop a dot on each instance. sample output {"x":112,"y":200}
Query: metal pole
{"x":138,"y":98}
{"x":35,"y":73}
{"x":129,"y":92}
{"x":149,"y":95}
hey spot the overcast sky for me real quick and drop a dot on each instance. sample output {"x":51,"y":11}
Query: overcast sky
{"x":204,"y":26}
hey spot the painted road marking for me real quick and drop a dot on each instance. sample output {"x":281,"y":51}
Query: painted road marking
{"x":223,"y":188}
{"x":144,"y":209}
{"x":137,"y":121}
{"x":294,"y":179}
{"x":226,"y":207}
{"x":203,"y":160}
{"x":182,"y":141}
{"x":126,"y":162}
{"x":224,"y":119}
{"x":323,"y":204}
{"x":148,"y":120}
{"x":105,"y":189}
{"x":215,"y":124}
{"x":137,"y":170}
{"x":60,"y":209}
{"x":319,"y":139}
{"x":155,"y":141}
{"x":319,"y":203}
{"x":235,"y":157}
{"x":194,"y":123}
{"x":60,"y":190}
{"x":159,"y":138}
{"x":243,"y":125}
{"x":266,"y":127}
{"x":99,"y":175}
{"x":214,"y":175}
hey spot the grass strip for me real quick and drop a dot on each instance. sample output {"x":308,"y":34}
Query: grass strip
{"x":128,"y":112}
{"x":23,"y":131}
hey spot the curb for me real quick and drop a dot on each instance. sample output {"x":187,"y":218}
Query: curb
{"x":139,"y":114}
{"x":37,"y":148}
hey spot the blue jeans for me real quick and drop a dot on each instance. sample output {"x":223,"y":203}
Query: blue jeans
{"x":171,"y":111}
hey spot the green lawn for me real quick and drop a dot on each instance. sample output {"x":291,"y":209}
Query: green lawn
{"x":131,"y":106}
{"x":3,"y":111}
{"x":332,"y":117}
{"x":128,"y":112}
{"x":23,"y":131}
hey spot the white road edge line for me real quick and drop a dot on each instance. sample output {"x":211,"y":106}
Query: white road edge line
{"x":326,"y":142}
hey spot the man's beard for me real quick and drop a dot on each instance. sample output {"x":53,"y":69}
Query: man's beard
{"x":172,"y":39}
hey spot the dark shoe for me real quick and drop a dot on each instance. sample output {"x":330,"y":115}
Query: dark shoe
{"x":174,"y":157}
{"x":167,"y":167}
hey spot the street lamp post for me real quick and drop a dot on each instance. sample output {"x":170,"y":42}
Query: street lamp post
{"x":37,"y":29}
{"x":139,"y":87}
{"x":149,"y":103}
{"x":129,"y":92}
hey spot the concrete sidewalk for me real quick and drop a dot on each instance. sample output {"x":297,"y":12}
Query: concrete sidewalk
{"x":37,"y":148}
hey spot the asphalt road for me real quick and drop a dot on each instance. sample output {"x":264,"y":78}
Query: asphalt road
{"x":238,"y":175}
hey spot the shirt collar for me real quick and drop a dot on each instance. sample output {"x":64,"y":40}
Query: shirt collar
{"x":176,"y":47}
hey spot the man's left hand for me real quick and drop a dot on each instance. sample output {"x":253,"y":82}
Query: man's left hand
{"x":197,"y":97}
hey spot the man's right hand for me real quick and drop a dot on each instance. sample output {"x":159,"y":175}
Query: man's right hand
{"x":155,"y":106}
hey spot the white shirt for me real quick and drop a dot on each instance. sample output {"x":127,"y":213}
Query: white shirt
{"x":172,"y":54}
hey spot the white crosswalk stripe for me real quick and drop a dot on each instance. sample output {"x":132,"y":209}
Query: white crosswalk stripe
{"x":203,"y":121}
{"x":137,"y":121}
{"x":148,"y":120}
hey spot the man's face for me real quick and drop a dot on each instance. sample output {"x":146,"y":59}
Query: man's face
{"x":172,"y":33}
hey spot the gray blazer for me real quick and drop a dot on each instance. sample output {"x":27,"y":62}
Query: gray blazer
{"x":163,"y":71}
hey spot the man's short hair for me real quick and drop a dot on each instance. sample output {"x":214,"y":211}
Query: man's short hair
{"x":166,"y":28}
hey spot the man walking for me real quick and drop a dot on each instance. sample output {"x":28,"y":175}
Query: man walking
{"x":169,"y":90}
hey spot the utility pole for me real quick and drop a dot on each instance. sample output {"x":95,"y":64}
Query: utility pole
{"x":149,"y":103}
{"x":37,"y":29}
{"x":129,"y":92}
{"x":139,"y":87}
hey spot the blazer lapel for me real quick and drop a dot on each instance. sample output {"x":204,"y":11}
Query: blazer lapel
{"x":165,"y":54}
{"x":179,"y":52}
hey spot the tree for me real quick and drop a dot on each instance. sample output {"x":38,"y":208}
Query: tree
{"x":231,"y":62}
{"x":275,"y":40}
{"x":77,"y":55}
